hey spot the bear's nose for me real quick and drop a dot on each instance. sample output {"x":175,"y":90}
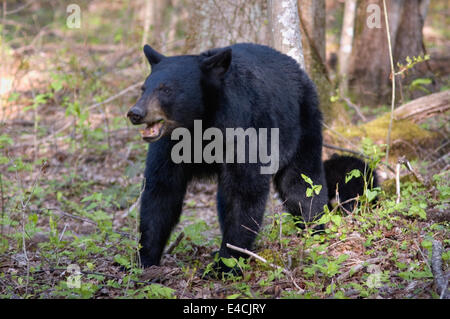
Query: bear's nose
{"x":136,"y":115}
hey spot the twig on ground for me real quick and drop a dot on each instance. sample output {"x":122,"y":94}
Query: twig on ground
{"x":339,"y":204}
{"x":439,"y":160}
{"x":355,"y":107}
{"x":425,"y":259}
{"x":407,"y":164}
{"x":252,"y":254}
{"x":341,"y":241}
{"x":397,"y":181}
{"x":440,"y":279}
{"x":437,"y":150}
{"x":175,"y":244}
{"x":357,"y":268}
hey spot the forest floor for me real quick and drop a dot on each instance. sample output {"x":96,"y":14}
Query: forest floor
{"x":71,"y":170}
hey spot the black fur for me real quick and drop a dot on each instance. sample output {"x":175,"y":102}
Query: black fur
{"x":244,"y":85}
{"x":336,"y":169}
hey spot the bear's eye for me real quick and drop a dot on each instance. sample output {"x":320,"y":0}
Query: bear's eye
{"x":166,"y":90}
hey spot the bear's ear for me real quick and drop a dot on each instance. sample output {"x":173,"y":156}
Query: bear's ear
{"x":218,"y":64}
{"x":152,"y":55}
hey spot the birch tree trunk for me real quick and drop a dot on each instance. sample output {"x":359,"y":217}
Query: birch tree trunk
{"x":285,"y":24}
{"x":148,"y":17}
{"x":153,"y":20}
{"x":345,"y":47}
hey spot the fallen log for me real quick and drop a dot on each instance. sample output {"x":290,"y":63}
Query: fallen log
{"x":424,"y":107}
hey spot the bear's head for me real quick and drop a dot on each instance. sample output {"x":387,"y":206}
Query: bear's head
{"x":173,"y":95}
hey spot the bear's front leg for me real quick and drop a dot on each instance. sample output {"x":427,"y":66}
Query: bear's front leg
{"x":161,"y":202}
{"x":241,"y":201}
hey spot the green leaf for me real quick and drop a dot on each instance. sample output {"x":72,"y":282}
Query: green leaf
{"x":307,"y":179}
{"x":336,"y":219}
{"x":427,"y":244}
{"x":371,"y":194}
{"x":353,"y":174}
{"x":229,"y":262}
{"x":421,"y":81}
{"x":317,"y":189}
{"x":324,"y":219}
{"x":121,"y":260}
{"x":56,"y":85}
{"x":5,"y":139}
{"x":342,"y":258}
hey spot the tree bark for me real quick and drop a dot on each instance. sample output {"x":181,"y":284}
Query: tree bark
{"x":345,"y":47}
{"x":285,"y":23}
{"x":218,"y":23}
{"x":153,"y":20}
{"x":409,"y":40}
{"x":440,"y":278}
{"x":423,"y":107}
{"x":369,"y":69}
{"x":312,"y":27}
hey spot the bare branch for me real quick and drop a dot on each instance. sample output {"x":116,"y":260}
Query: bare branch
{"x":175,"y":243}
{"x":252,"y":254}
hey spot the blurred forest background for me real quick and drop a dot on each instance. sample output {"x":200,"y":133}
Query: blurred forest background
{"x":71,"y":164}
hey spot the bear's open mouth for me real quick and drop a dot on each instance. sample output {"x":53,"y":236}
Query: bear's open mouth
{"x":153,"y":131}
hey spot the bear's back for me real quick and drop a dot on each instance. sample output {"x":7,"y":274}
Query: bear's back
{"x":264,"y":57}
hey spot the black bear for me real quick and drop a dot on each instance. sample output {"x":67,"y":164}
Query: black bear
{"x":245,"y":86}
{"x":336,"y":169}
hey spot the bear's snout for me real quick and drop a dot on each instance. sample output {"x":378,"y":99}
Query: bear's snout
{"x":136,"y":115}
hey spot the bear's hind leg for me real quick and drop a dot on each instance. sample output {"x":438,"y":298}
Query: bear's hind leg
{"x":241,"y":201}
{"x":292,"y":187}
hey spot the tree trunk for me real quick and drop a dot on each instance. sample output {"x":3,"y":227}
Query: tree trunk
{"x":409,"y":41}
{"x":312,"y":27}
{"x":369,"y":72}
{"x":286,"y":36}
{"x":217,"y":23}
{"x":153,"y":21}
{"x":345,"y":47}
